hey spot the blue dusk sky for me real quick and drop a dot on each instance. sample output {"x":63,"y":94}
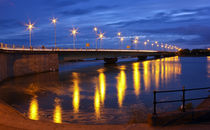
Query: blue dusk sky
{"x":184,"y":23}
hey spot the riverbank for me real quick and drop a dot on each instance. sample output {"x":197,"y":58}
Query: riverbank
{"x":13,"y":120}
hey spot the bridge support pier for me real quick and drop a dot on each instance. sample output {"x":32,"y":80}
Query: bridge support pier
{"x":140,"y":58}
{"x":110,"y":60}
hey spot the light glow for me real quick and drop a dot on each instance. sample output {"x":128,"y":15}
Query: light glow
{"x":34,"y":109}
{"x":136,"y":78}
{"x":57,"y":116}
{"x":121,"y":85}
{"x":76,"y":93}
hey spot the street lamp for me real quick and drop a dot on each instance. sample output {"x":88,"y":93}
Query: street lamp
{"x":54,"y":20}
{"x":74,"y":33}
{"x":156,"y":42}
{"x":119,"y":34}
{"x":95,"y":29}
{"x":135,"y":41}
{"x":121,"y":41}
{"x":100,"y":36}
{"x":30,"y":26}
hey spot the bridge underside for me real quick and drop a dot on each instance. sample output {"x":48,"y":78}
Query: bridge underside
{"x":141,"y":55}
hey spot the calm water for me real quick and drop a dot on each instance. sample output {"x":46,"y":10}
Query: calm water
{"x":93,"y":93}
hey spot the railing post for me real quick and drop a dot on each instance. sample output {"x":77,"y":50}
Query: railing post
{"x":183,"y":99}
{"x":2,"y":45}
{"x":154,"y":102}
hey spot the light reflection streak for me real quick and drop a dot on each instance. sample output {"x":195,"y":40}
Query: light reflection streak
{"x":161,"y":71}
{"x":157,"y":73}
{"x":147,"y":78}
{"x":136,"y":78}
{"x":76,"y":93}
{"x":57,"y":115}
{"x":121,"y":85}
{"x":97,"y":103}
{"x":102,"y":84}
{"x":34,"y":109}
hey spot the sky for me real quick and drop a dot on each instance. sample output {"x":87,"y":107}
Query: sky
{"x":184,"y":23}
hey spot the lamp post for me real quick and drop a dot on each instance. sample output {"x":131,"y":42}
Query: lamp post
{"x":119,"y":36}
{"x":100,"y":36}
{"x":121,"y":42}
{"x":136,"y":41}
{"x":74,"y":33}
{"x":54,"y":20}
{"x":95,"y":29}
{"x":30,"y":26}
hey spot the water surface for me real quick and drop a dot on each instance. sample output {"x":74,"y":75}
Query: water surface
{"x":93,"y":93}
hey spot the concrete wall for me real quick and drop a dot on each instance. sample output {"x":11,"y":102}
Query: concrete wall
{"x":19,"y":64}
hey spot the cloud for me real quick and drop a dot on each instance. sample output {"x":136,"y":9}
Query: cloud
{"x":175,"y":17}
{"x":55,"y":4}
{"x":77,"y":12}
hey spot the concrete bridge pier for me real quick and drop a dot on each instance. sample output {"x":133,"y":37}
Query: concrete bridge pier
{"x":110,"y":60}
{"x":140,"y":58}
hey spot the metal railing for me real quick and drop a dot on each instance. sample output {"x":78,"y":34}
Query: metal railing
{"x":6,"y":46}
{"x":183,"y":100}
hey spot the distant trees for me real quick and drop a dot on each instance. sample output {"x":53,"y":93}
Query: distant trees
{"x":194,"y":52}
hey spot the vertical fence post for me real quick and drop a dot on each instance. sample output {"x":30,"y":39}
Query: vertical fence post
{"x":154,"y":102}
{"x":183,"y":99}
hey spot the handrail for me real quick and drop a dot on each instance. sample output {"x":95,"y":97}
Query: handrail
{"x":178,"y":90}
{"x":183,"y":100}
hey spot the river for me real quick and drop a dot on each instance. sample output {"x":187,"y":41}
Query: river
{"x":91,"y":92}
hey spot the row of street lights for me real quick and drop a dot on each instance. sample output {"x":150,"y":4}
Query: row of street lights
{"x":99,"y":35}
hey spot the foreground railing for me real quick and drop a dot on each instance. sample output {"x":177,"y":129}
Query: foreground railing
{"x":183,"y":100}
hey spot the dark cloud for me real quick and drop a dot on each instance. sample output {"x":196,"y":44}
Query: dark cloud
{"x":173,"y":17}
{"x":77,"y":12}
{"x":55,"y":4}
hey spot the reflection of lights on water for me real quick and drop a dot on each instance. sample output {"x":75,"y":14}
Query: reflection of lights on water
{"x":76,"y":93}
{"x":57,"y":116}
{"x":121,"y":85}
{"x":157,"y":73}
{"x":34,"y":109}
{"x":147,"y":78}
{"x":97,"y":103}
{"x":102,"y":84}
{"x":160,"y":70}
{"x":136,"y":78}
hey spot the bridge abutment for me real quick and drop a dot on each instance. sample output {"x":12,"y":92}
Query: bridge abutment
{"x":20,"y":64}
{"x":110,"y":60}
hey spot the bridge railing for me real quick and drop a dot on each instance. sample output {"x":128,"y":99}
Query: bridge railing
{"x":183,"y":99}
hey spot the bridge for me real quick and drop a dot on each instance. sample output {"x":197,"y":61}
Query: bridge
{"x":79,"y":54}
{"x":21,"y":61}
